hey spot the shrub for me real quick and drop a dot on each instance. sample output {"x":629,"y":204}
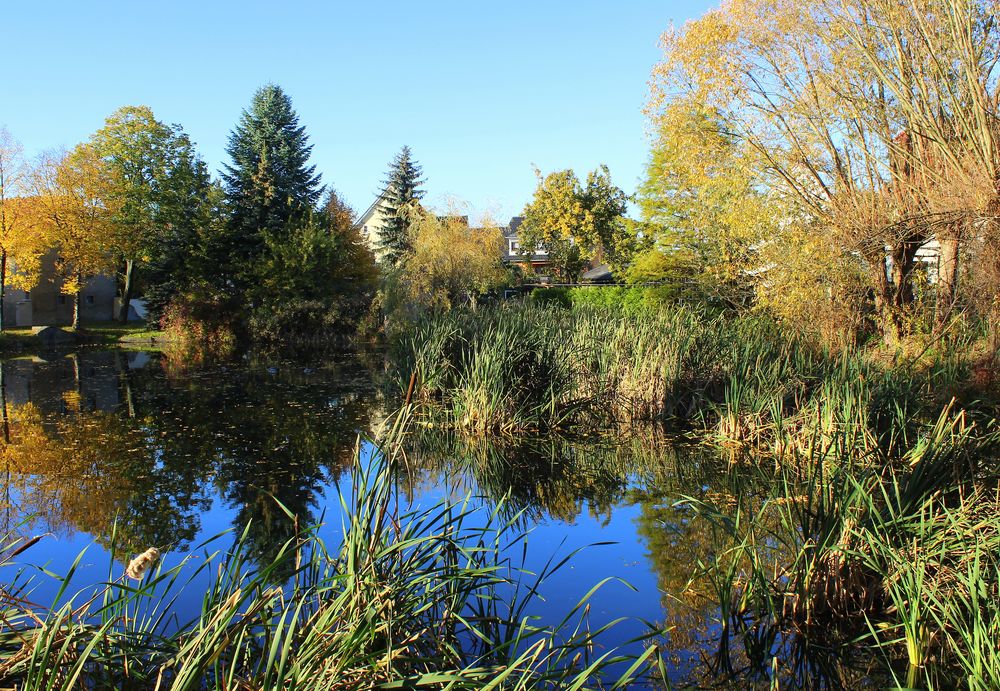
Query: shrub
{"x":197,"y":327}
{"x":551,"y":296}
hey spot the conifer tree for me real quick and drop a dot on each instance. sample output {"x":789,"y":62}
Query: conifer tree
{"x":269,"y":181}
{"x":401,"y":191}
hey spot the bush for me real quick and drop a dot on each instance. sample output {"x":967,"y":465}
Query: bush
{"x":551,"y":296}
{"x":299,"y":322}
{"x":630,"y":299}
{"x":197,"y":327}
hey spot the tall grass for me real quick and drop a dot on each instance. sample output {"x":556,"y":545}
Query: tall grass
{"x":899,"y":556}
{"x":408,"y":598}
{"x":524,"y":366}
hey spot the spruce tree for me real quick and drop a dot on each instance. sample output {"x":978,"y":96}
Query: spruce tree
{"x":402,"y":188}
{"x":269,"y":181}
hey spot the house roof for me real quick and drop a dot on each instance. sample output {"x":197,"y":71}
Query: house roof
{"x":600,"y":273}
{"x":363,"y":218}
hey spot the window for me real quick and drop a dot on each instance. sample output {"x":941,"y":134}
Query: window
{"x":89,"y":299}
{"x":62,"y":299}
{"x":27,"y":295}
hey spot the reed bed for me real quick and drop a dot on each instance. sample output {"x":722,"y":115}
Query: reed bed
{"x":428,"y":598}
{"x":897,"y":556}
{"x":878,"y":529}
{"x":522,"y":367}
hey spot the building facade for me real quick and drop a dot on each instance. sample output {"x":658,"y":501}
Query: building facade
{"x":47,"y":305}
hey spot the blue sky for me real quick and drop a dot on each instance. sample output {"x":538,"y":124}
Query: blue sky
{"x":481,"y":92}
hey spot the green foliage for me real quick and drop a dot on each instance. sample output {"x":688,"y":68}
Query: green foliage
{"x":311,"y":286}
{"x":576,"y":223}
{"x":190,"y":259}
{"x":551,"y":296}
{"x":269,"y":181}
{"x":401,"y":192}
{"x":157,"y":178}
{"x":703,"y":215}
{"x":628,"y":299}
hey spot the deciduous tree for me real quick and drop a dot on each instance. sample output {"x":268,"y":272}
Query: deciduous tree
{"x":870,"y":118}
{"x":77,"y":207}
{"x":700,"y":206}
{"x":21,"y":241}
{"x":452,"y":263}
{"x":156,"y":181}
{"x":573,"y":222}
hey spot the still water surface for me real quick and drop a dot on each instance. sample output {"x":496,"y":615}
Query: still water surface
{"x":120,"y":446}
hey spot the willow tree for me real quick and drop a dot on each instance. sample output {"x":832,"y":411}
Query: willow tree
{"x":936,"y":61}
{"x":847,"y":106}
{"x":451,"y":264}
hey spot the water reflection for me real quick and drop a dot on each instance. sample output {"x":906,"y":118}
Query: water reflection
{"x":117,"y":446}
{"x":93,"y":437}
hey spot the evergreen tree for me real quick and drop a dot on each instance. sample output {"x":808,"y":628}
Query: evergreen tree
{"x":269,"y":181}
{"x":402,"y":190}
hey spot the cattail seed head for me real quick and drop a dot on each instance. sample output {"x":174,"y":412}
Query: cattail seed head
{"x":138,"y":567}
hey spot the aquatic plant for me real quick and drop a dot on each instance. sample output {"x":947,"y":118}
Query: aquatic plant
{"x":853,"y":549}
{"x":530,"y":366}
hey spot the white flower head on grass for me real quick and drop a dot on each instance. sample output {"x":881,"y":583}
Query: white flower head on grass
{"x":138,"y":567}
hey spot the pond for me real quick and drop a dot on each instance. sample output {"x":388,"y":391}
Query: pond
{"x":124,"y":448}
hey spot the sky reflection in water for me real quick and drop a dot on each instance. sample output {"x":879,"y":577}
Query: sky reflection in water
{"x":177,"y":456}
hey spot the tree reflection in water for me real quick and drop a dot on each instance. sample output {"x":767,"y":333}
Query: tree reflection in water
{"x":115,"y":445}
{"x":99,"y":437}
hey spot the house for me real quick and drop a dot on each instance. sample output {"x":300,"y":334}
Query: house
{"x":47,"y":305}
{"x":537,"y":262}
{"x":370,"y":224}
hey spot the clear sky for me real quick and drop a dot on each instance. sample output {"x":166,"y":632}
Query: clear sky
{"x":481,"y":91}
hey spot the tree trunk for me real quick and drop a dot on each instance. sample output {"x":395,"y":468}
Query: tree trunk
{"x":126,"y":291}
{"x":947,"y":287}
{"x":3,"y":284}
{"x":894,"y":287}
{"x":888,"y":318}
{"x":3,"y":407}
{"x":903,"y":255}
{"x":76,"y":310}
{"x":121,"y":359}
